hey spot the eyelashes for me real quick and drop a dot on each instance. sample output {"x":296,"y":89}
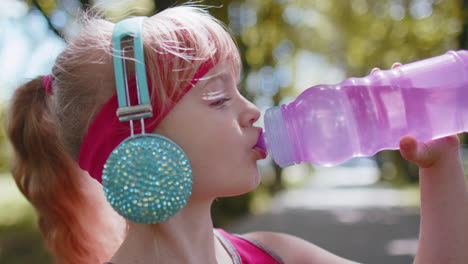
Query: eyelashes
{"x":221,"y":102}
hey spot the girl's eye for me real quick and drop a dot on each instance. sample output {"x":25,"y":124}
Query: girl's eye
{"x":220,"y":102}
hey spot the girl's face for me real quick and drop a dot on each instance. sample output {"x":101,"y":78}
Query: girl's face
{"x":213,"y":124}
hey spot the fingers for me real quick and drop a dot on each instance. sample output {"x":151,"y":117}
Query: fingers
{"x":445,"y":144}
{"x":426,"y":154}
{"x":394,"y":65}
{"x":417,"y":152}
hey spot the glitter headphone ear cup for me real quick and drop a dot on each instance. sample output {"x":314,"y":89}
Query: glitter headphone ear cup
{"x":147,"y":178}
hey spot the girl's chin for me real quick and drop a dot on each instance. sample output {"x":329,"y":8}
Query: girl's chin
{"x":243,"y":189}
{"x":254,"y":183}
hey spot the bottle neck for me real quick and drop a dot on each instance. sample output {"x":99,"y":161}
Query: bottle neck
{"x":277,"y":139}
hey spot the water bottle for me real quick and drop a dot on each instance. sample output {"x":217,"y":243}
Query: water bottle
{"x":329,"y":124}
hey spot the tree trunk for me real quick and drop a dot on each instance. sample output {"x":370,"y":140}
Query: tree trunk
{"x":464,"y":35}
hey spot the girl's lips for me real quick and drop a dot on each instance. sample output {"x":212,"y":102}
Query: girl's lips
{"x":261,"y":153}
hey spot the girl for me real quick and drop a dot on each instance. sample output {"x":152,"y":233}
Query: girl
{"x":60,"y":132}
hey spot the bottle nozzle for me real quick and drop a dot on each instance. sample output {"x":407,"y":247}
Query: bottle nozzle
{"x":261,"y":142}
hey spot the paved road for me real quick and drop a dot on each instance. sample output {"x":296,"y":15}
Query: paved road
{"x":370,"y":235}
{"x":337,"y":210}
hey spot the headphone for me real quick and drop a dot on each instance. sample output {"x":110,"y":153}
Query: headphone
{"x":147,"y":178}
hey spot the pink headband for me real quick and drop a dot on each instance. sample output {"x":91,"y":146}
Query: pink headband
{"x":106,"y":131}
{"x":47,"y":84}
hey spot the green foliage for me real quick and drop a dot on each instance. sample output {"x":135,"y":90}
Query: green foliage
{"x":5,"y":148}
{"x":117,"y":11}
{"x":20,"y":240}
{"x":21,"y":246}
{"x":354,"y":35}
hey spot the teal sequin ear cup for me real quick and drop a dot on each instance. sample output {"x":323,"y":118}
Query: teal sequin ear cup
{"x":147,"y":178}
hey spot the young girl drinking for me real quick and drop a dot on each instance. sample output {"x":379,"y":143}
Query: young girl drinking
{"x":64,"y":127}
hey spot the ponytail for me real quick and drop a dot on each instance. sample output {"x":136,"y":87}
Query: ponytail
{"x":72,"y":212}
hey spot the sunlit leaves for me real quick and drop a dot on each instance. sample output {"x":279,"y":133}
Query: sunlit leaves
{"x":46,"y":5}
{"x":120,"y":9}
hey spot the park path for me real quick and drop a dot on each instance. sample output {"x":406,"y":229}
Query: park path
{"x":339,"y":211}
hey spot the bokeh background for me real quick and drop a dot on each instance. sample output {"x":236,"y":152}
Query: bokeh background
{"x":366,"y":209}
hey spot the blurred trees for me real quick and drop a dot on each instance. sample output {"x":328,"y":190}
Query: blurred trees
{"x":5,"y":149}
{"x":346,"y":38}
{"x":352,"y":37}
{"x":289,"y":45}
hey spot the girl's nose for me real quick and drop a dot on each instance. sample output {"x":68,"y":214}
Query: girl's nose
{"x":250,"y":114}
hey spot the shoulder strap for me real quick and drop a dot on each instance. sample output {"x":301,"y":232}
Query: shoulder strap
{"x":251,"y":251}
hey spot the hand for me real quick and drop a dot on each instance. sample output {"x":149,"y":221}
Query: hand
{"x":430,"y":153}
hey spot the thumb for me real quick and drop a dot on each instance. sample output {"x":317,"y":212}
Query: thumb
{"x":409,"y":148}
{"x":416,"y":152}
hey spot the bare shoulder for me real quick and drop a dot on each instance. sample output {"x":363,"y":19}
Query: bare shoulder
{"x":293,"y":249}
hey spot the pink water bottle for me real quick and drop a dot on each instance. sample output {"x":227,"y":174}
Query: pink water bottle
{"x":329,"y":124}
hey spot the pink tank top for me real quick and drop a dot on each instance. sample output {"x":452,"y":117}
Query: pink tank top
{"x":246,"y":251}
